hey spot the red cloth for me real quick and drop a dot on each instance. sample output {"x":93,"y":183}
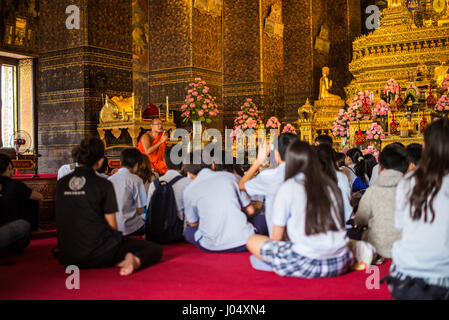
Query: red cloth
{"x":157,"y":157}
{"x":185,"y":273}
{"x":44,"y":176}
{"x":151,"y":111}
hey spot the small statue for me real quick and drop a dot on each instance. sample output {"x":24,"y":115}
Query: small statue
{"x":325,"y":86}
{"x":109,"y":112}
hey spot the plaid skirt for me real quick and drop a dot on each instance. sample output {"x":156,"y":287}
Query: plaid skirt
{"x":435,"y":281}
{"x":287,"y":263}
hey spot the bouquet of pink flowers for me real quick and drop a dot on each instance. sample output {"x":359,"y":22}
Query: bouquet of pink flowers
{"x":199,"y":105}
{"x":442,"y":104}
{"x":375,"y":133}
{"x":273,"y":123}
{"x":368,"y":95}
{"x":392,"y":86}
{"x":247,"y":118}
{"x":372,"y":150}
{"x":340,"y":127}
{"x":354,"y":113}
{"x":382,"y":109}
{"x":288,"y":128}
{"x":445,"y":84}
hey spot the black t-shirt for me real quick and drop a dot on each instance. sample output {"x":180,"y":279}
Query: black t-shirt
{"x":82,"y":199}
{"x":14,"y":196}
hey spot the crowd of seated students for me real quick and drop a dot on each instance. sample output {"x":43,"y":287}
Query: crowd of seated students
{"x":311,"y":198}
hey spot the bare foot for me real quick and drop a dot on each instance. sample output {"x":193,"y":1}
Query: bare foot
{"x":130,"y":264}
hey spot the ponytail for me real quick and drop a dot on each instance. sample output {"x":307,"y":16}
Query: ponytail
{"x":359,"y":161}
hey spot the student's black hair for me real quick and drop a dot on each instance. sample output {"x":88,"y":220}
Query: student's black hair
{"x":394,"y":157}
{"x":169,"y":162}
{"x":323,"y":195}
{"x":4,"y":163}
{"x":414,"y":152}
{"x":326,"y":155}
{"x":189,"y":165}
{"x":340,"y":158}
{"x":229,"y":167}
{"x":104,"y":167}
{"x":284,"y":140}
{"x":75,"y":152}
{"x":90,"y":151}
{"x":324,"y":139}
{"x":359,"y":161}
{"x":130,"y":157}
{"x":370,"y":163}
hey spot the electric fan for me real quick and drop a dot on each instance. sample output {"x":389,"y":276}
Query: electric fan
{"x":21,"y":140}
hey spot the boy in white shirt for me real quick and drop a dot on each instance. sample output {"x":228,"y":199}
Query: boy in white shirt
{"x":130,"y":192}
{"x":267,"y":182}
{"x":213,"y":209}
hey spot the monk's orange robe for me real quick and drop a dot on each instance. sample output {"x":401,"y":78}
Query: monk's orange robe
{"x":157,"y":157}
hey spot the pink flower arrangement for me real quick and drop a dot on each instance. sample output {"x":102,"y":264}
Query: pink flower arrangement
{"x":247,"y":118}
{"x":362,"y":95}
{"x":199,"y":105}
{"x":372,"y":150}
{"x":442,"y":104}
{"x":392,"y":86}
{"x":354,"y":113}
{"x":288,"y":128}
{"x":382,"y":109}
{"x":375,"y":133}
{"x":340,"y":127}
{"x":273,"y":123}
{"x":445,"y":84}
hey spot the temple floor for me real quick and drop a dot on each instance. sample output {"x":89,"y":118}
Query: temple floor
{"x":185,"y":273}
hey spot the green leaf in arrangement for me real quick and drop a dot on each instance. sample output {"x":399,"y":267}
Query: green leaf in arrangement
{"x":208,"y":121}
{"x":201,"y":119}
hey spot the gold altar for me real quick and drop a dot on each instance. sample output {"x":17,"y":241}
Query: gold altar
{"x":412,"y":52}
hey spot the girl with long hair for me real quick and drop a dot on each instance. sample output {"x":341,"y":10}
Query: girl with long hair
{"x":309,"y":206}
{"x":327,"y":159}
{"x":422,"y":212}
{"x":146,"y":173}
{"x":355,"y":161}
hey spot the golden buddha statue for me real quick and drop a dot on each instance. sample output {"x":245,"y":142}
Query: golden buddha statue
{"x":325,"y":86}
{"x":440,"y":73}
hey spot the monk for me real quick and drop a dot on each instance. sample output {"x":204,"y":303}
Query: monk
{"x":153,"y":144}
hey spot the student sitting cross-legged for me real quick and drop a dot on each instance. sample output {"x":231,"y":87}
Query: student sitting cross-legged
{"x":130,"y":192}
{"x":268,"y":181}
{"x":309,"y":207}
{"x":420,"y":268}
{"x":213,"y":207}
{"x":86,"y":220}
{"x":376,"y":208}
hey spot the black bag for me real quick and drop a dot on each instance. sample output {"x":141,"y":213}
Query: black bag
{"x":415,"y":289}
{"x":162,"y":224}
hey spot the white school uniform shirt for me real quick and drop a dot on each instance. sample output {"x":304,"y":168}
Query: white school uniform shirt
{"x":130,"y":193}
{"x":266,"y":184}
{"x":178,"y":190}
{"x":290,"y":204}
{"x":66,"y":170}
{"x":374,"y":175}
{"x":343,"y":184}
{"x":423,"y":251}
{"x":214,"y":199}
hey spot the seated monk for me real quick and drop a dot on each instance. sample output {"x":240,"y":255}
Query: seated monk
{"x":153,"y":144}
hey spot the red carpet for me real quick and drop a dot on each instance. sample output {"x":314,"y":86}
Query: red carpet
{"x":185,"y":273}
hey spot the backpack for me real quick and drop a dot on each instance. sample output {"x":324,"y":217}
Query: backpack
{"x":162,"y":224}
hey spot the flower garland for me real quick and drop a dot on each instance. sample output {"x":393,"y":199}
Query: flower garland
{"x":273,"y":123}
{"x":382,"y":109}
{"x":340,"y":127}
{"x":392,"y":86}
{"x":199,"y":105}
{"x":248,"y":117}
{"x":375,"y":133}
{"x":442,"y":104}
{"x":288,"y":128}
